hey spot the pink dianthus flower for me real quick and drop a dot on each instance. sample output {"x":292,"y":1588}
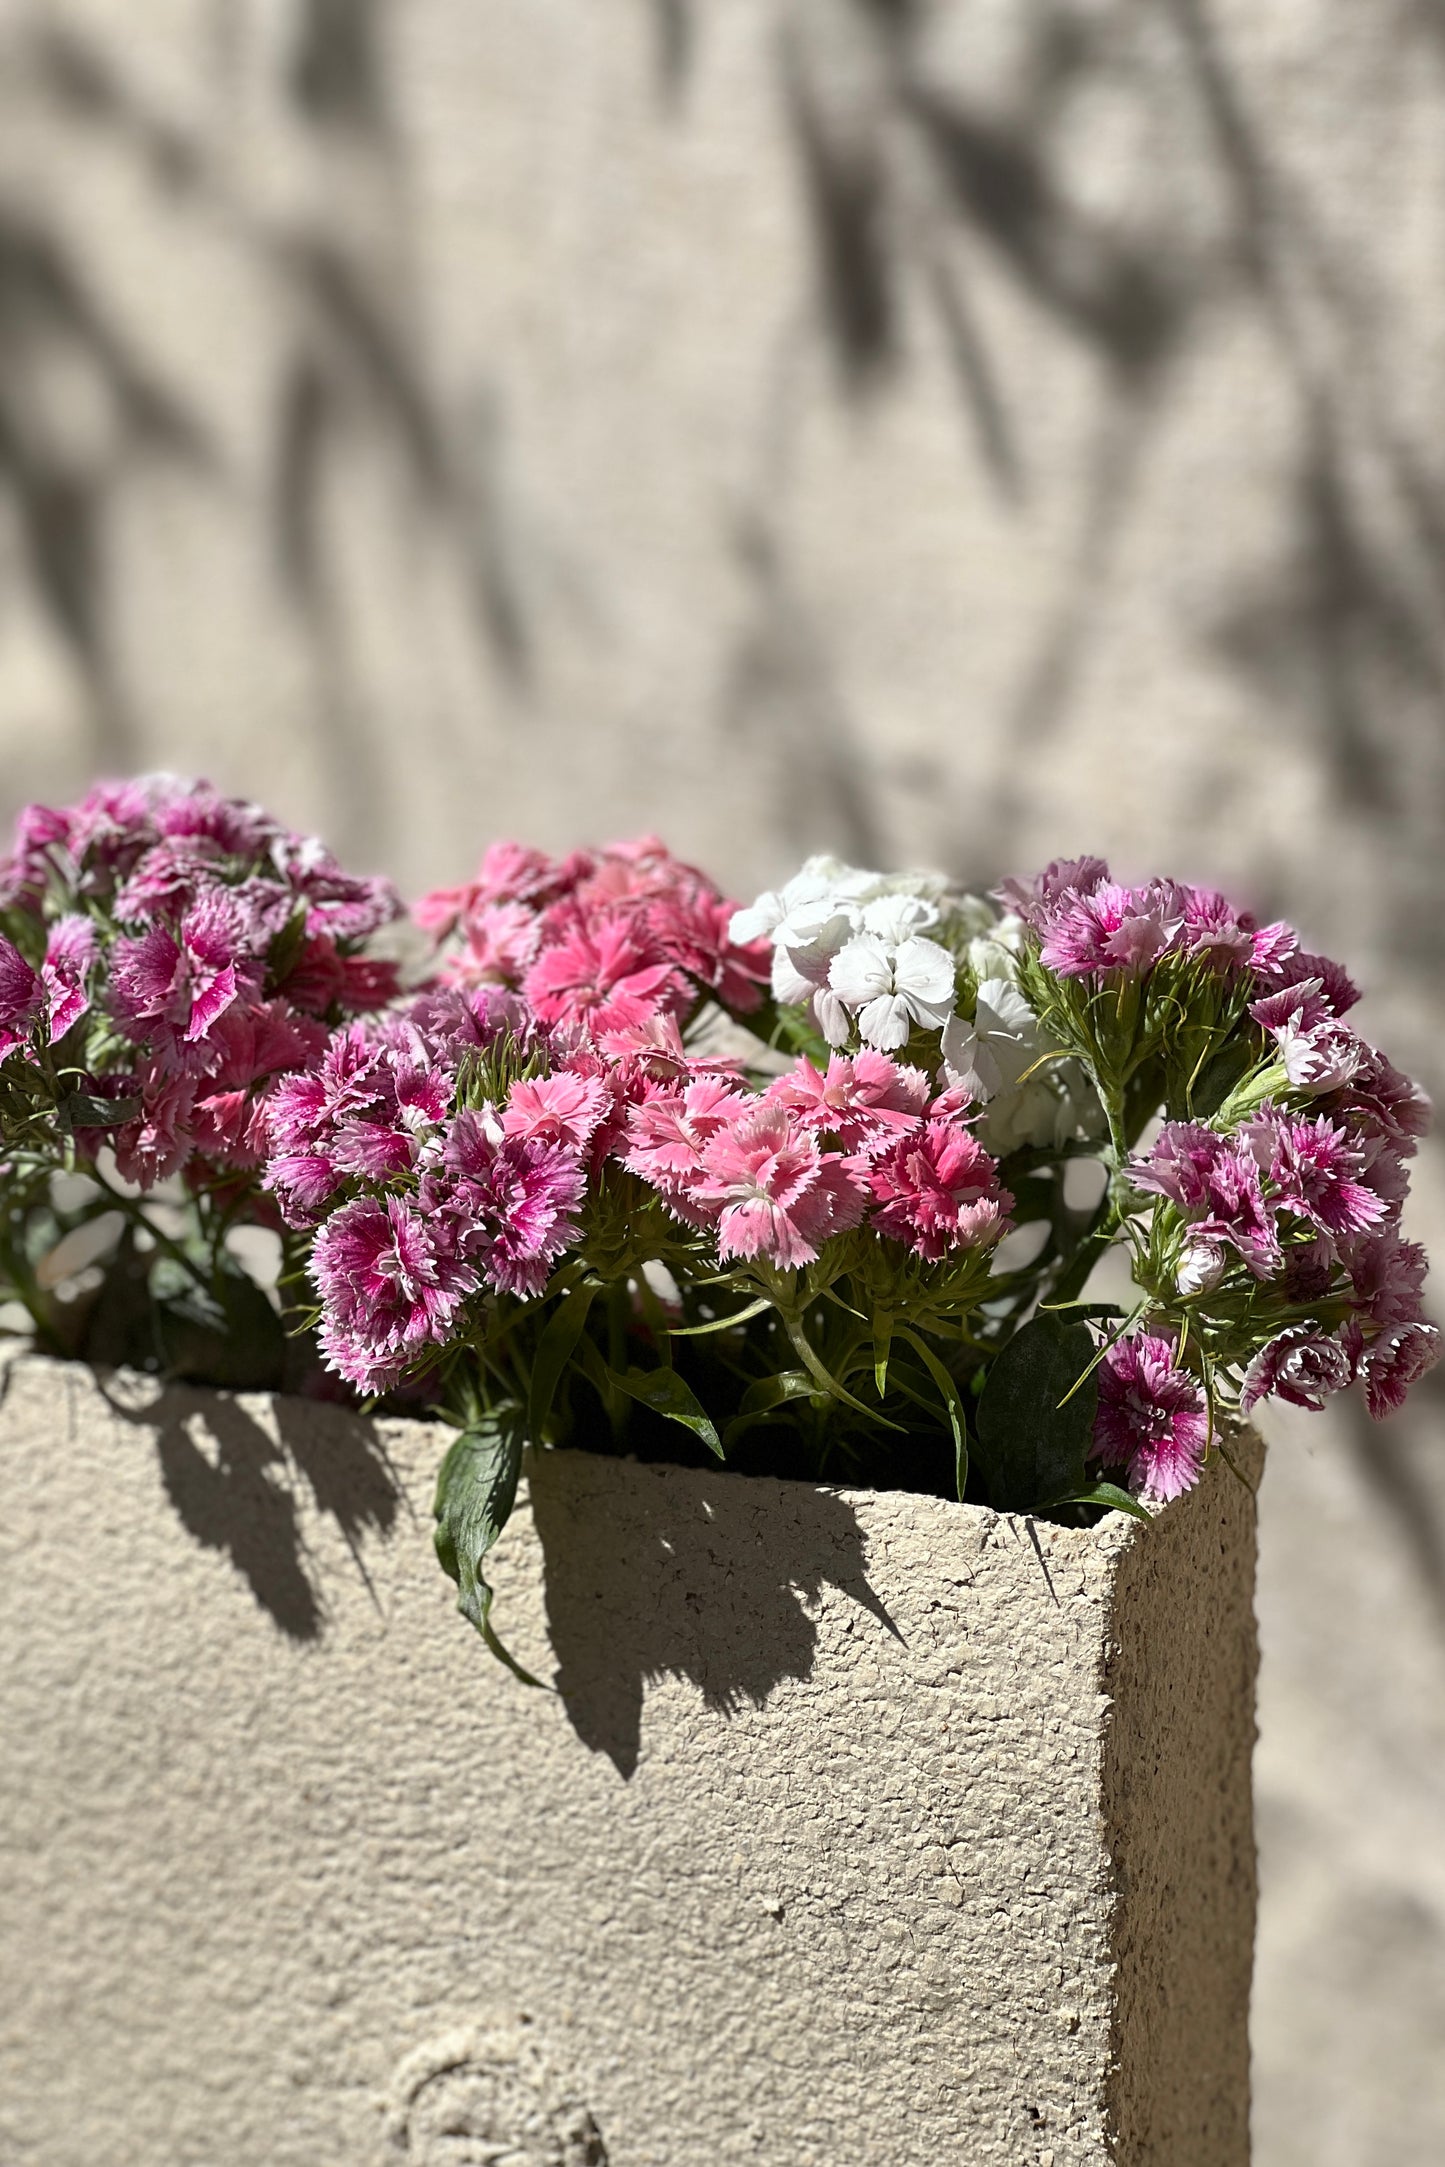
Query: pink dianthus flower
{"x":937,"y":1190}
{"x":1152,"y":1418}
{"x":864,"y":1101}
{"x":769,"y":1190}
{"x":391,"y":1284}
{"x":601,"y":977}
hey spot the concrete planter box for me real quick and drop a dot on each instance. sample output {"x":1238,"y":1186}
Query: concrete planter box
{"x":863,"y":1830}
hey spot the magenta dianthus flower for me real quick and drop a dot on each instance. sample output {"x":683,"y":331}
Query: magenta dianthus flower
{"x":1216,"y":1182}
{"x":1303,"y":1365}
{"x":1152,"y":1418}
{"x":1397,"y":1358}
{"x":391,"y":1283}
{"x":1311,"y":1166}
{"x":1112,"y":928}
{"x":513,"y":1201}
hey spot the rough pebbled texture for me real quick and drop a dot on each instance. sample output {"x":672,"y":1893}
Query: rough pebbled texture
{"x":820,"y":1855}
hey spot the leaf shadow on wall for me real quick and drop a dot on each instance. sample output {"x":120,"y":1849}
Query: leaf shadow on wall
{"x":234,"y":1485}
{"x":355,"y":407}
{"x":59,"y":351}
{"x":926,"y":195}
{"x":732,"y":1570}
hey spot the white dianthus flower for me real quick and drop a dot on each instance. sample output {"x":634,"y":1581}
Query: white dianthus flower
{"x":892,"y":986}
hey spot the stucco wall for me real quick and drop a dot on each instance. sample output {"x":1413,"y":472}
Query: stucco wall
{"x":965,"y":430}
{"x":859,"y":1827}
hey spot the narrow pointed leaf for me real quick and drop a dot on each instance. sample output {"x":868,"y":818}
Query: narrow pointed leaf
{"x":476,"y":1490}
{"x":721,"y":1324}
{"x":555,"y":1347}
{"x":953,"y":1405}
{"x":671,"y":1396}
{"x":882,"y":1340}
{"x":1110,"y":1494}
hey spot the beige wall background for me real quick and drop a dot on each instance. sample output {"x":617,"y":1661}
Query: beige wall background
{"x":956,"y":432}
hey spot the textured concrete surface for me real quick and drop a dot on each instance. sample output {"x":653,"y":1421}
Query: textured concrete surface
{"x":960,"y":430}
{"x":859,"y":1827}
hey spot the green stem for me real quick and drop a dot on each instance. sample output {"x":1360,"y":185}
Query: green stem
{"x":135,"y":1212}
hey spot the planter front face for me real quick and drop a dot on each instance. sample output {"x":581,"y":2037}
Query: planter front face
{"x":862,"y":1828}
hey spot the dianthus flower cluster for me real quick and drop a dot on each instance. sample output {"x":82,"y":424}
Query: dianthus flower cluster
{"x":1276,"y":1231}
{"x":797,"y":1179}
{"x":817,"y":1153}
{"x":168,"y":953}
{"x":430,"y":1185}
{"x":601,"y":939}
{"x":1087,"y":924}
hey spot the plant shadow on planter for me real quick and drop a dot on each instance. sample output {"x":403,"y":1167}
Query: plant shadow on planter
{"x":232,"y":1485}
{"x":735,"y":1563}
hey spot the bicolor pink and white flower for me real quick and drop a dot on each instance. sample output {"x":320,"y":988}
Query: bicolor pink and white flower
{"x":1152,"y":1420}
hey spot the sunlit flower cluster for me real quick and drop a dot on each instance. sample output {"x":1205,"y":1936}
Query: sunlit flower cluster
{"x":626,"y":1155}
{"x":167,"y":954}
{"x":604,"y":938}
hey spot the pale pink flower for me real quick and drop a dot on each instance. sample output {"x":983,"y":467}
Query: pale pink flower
{"x":668,"y":1130}
{"x":561,"y":1109}
{"x":770,"y":1191}
{"x":500,"y":941}
{"x":864,"y":1101}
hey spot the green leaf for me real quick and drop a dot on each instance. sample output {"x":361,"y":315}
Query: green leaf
{"x":476,"y":1490}
{"x":1204,"y":1094}
{"x":769,"y":1392}
{"x":81,"y":1110}
{"x":225,"y":1334}
{"x":882,"y":1341}
{"x":1108,"y":1493}
{"x":1035,"y":1419}
{"x":720,"y":1324}
{"x":285,"y":951}
{"x":1035,"y":1197}
{"x":671,"y":1396}
{"x":948,"y":1393}
{"x":555,"y":1347}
